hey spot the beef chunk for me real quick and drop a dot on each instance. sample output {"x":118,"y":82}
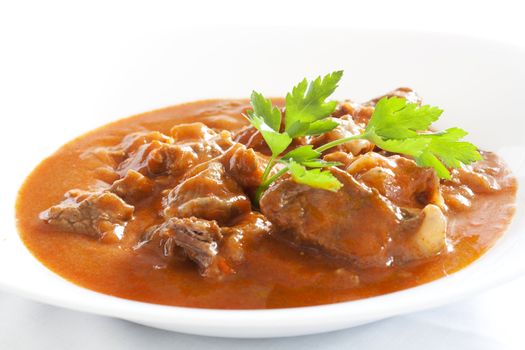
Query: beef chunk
{"x":198,"y":238}
{"x":487,"y":176}
{"x":94,"y":214}
{"x":397,"y":178}
{"x":244,"y":233}
{"x":457,"y":196}
{"x":133,"y":187}
{"x":362,"y":112}
{"x":347,"y":127}
{"x":340,"y":157}
{"x":344,"y":223}
{"x":107,"y":160}
{"x":157,"y":158}
{"x":252,"y":138}
{"x":407,"y":93}
{"x":481,"y":177}
{"x":244,"y":165}
{"x":184,"y":133}
{"x":216,"y":250}
{"x":209,"y":193}
{"x":132,"y":142}
{"x":190,"y":145}
{"x":112,"y":156}
{"x":205,"y":142}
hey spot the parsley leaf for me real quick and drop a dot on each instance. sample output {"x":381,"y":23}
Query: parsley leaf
{"x":320,"y":163}
{"x":394,"y":118}
{"x":321,"y":126}
{"x":306,"y":105}
{"x":267,"y":119}
{"x":394,"y":127}
{"x":438,"y":150}
{"x":315,"y":178}
{"x":277,"y":141}
{"x":302,"y":154}
{"x":307,"y":156}
{"x":263,"y":108}
{"x":451,"y":151}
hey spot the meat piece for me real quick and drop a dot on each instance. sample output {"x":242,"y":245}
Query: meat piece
{"x":132,"y":142}
{"x":487,"y":176}
{"x":407,"y":93}
{"x":133,"y":187}
{"x":191,"y":144}
{"x":253,"y":224}
{"x":216,"y":250}
{"x":344,"y":223}
{"x":203,"y":140}
{"x":157,"y":158}
{"x":244,"y":165}
{"x":243,"y":234}
{"x":198,"y":238}
{"x":112,"y":163}
{"x":95,"y":214}
{"x":397,"y":178}
{"x":184,"y":133}
{"x":346,"y":128}
{"x":362,"y":112}
{"x":106,"y":174}
{"x":456,"y":195}
{"x":209,"y":193}
{"x":339,"y":157}
{"x":112,"y":156}
{"x":481,"y":177}
{"x":252,"y":138}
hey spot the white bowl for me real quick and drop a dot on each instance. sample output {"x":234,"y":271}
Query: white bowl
{"x":479,"y":84}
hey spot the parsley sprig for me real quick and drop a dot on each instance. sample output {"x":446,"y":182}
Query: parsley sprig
{"x":307,"y":113}
{"x":307,"y":109}
{"x":401,"y":127}
{"x":395,"y":126}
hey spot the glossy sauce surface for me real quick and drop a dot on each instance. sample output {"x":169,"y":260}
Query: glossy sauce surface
{"x":274,"y":274}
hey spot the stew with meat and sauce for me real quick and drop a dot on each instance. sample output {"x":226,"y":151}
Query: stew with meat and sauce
{"x":162,"y":208}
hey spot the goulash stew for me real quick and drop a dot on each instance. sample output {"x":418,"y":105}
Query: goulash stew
{"x":198,"y":205}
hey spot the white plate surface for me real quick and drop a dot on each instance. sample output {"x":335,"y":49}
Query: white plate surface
{"x":479,"y":84}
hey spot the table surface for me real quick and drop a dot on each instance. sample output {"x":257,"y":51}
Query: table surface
{"x":486,"y":321}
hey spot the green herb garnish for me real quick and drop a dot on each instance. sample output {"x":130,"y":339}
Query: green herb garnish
{"x":400,"y":127}
{"x":307,"y":111}
{"x":395,"y":126}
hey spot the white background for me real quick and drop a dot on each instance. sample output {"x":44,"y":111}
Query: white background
{"x":81,"y":36}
